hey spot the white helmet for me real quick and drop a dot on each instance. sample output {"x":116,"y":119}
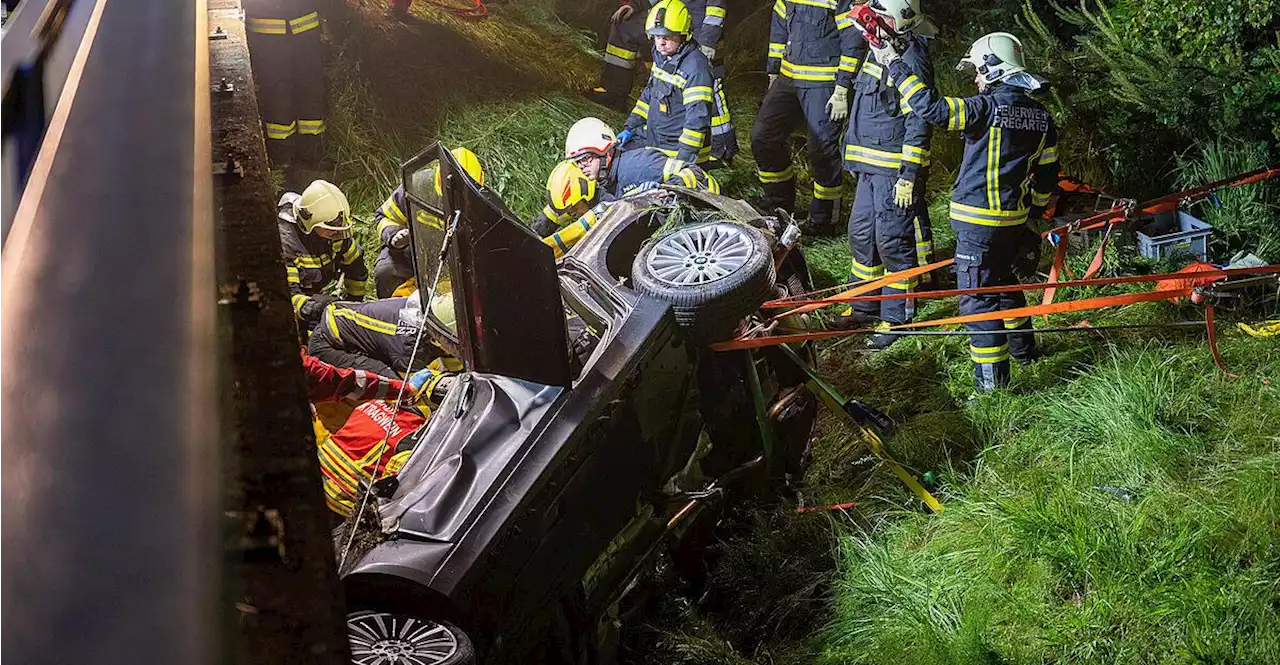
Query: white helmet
{"x":324,"y":206}
{"x":904,"y":16}
{"x":589,"y":136}
{"x":996,"y":57}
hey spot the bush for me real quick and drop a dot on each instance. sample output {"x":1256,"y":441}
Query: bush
{"x":1139,"y":81}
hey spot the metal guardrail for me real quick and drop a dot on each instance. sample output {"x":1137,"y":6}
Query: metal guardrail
{"x":107,"y":347}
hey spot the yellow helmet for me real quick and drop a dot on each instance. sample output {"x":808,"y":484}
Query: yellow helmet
{"x":668,"y":17}
{"x":570,"y":193}
{"x":469,"y":163}
{"x":324,"y":206}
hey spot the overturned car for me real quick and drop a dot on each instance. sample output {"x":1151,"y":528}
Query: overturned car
{"x":563,"y":473}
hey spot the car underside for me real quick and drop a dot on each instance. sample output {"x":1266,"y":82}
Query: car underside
{"x":564,"y":470}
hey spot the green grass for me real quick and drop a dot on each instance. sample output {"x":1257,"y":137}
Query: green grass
{"x":1029,"y":563}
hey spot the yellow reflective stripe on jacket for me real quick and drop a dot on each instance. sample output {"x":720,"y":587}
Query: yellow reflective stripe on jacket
{"x":562,"y":240}
{"x":351,"y":253}
{"x":267,"y":26}
{"x":807,"y":72}
{"x":668,"y":77}
{"x":915,"y":155}
{"x":848,"y":64}
{"x":987,"y":216}
{"x":692,"y":138}
{"x":910,"y":86}
{"x":1049,"y":155}
{"x":278,"y":131}
{"x":955,"y":113}
{"x":291,"y":275}
{"x":872,"y":69}
{"x":865,"y":155}
{"x":843,"y":22}
{"x":825,"y":4}
{"x":305,"y":22}
{"x":354,"y":287}
{"x":717,"y":12}
{"x":776,"y":176}
{"x":310,"y":127}
{"x":641,"y":109}
{"x":776,"y":50}
{"x":366,"y":322}
{"x":313,"y":262}
{"x":824,"y":193}
{"x":331,"y":323}
{"x":993,"y":168}
{"x":697,"y":93}
{"x":1040,"y":200}
{"x":671,"y":167}
{"x":393,"y":212}
{"x":780,"y":8}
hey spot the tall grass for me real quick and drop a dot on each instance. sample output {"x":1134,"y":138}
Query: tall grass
{"x":1032,"y":562}
{"x":1243,"y":218}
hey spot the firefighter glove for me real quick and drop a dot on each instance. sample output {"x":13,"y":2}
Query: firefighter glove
{"x":624,"y":136}
{"x":314,"y":307}
{"x":623,"y":13}
{"x":886,"y":52}
{"x":708,"y":51}
{"x":902,"y":192}
{"x":401,"y":239}
{"x":838,"y":105}
{"x":421,"y":378}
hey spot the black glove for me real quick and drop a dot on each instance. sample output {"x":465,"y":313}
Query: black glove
{"x":1027,"y":254}
{"x":313,"y":308}
{"x":543,"y":227}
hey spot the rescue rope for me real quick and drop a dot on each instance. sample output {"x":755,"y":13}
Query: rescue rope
{"x":417,"y":341}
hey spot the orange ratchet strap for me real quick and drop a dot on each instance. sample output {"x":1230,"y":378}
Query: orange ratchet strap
{"x":1111,"y":218}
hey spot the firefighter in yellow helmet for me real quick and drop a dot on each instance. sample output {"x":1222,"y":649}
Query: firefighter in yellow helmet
{"x":570,"y":194}
{"x":674,"y":112}
{"x":394,"y":264}
{"x":315,"y":237}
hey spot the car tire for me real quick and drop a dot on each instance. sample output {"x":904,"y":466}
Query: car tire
{"x":714,"y":274}
{"x":379,"y":638}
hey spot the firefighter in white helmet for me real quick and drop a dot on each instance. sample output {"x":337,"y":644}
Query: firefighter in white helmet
{"x":315,"y":237}
{"x":1008,"y":171}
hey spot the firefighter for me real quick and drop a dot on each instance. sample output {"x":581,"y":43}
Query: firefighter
{"x":376,"y":439}
{"x":627,"y":43}
{"x":288,"y":66}
{"x":595,"y":172}
{"x":673,"y":113}
{"x":887,"y":149}
{"x":1007,"y":174}
{"x":378,"y":336}
{"x":327,"y":383}
{"x":394,"y":264}
{"x":315,"y":236}
{"x":813,"y":56}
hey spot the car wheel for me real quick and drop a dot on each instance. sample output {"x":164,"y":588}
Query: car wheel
{"x":387,"y":638}
{"x":713,"y":274}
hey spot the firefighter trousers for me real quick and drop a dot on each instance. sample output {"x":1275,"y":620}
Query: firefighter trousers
{"x":392,"y":268}
{"x":884,"y":237}
{"x":287,"y":57}
{"x":786,"y":107}
{"x":984,"y":257}
{"x":321,"y":346}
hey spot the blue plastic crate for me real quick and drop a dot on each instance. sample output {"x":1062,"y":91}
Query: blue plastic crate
{"x":1174,"y":232}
